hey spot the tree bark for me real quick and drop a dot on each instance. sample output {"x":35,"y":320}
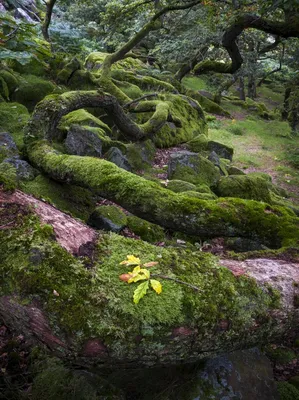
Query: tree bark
{"x":286,"y":29}
{"x":189,"y":66}
{"x":46,"y":23}
{"x":48,"y":113}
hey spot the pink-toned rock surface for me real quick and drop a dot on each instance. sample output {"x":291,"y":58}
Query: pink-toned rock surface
{"x":70,"y":233}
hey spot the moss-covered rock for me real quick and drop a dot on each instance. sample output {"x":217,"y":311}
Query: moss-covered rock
{"x":177,"y":186}
{"x":280,"y":355}
{"x":294,"y":381}
{"x":198,"y":195}
{"x":187,"y":119}
{"x":244,"y":187}
{"x":31,"y":90}
{"x":198,"y":144}
{"x":8,"y":147}
{"x":8,"y":176}
{"x":287,"y":391}
{"x":83,"y":118}
{"x":149,"y":232}
{"x":232,"y":170}
{"x":193,"y":168}
{"x":13,"y":118}
{"x":83,"y":142}
{"x":108,"y":218}
{"x":141,"y":155}
{"x":9,"y":83}
{"x":33,"y":67}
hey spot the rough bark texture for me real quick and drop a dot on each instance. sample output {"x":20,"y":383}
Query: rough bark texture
{"x":284,"y":29}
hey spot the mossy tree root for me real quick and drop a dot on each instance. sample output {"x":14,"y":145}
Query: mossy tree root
{"x":48,"y":113}
{"x":273,"y":226}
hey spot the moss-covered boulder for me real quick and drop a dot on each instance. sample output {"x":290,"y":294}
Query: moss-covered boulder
{"x":244,"y":187}
{"x":201,"y":143}
{"x":141,"y":155}
{"x":13,"y":118}
{"x":83,"y":142}
{"x":188,"y":122}
{"x":33,"y":67}
{"x":31,"y":90}
{"x":287,"y":391}
{"x":232,"y":170}
{"x":147,"y":231}
{"x":280,"y":355}
{"x":83,"y":118}
{"x":8,"y":147}
{"x":193,"y":168}
{"x":178,"y":186}
{"x":198,"y":195}
{"x":8,"y":83}
{"x":108,"y":218}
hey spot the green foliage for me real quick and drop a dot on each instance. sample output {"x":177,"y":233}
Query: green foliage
{"x":287,"y":391}
{"x":19,"y":41}
{"x":140,"y":274}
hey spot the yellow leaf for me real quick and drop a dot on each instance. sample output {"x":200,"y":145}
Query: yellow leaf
{"x":138,"y":275}
{"x":131,"y":260}
{"x":140,"y":291}
{"x":156,"y":285}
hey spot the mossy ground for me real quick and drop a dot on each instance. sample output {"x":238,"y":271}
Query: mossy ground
{"x":96,"y":303}
{"x":13,"y":118}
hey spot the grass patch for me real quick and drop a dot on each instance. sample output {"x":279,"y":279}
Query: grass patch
{"x":194,"y":83}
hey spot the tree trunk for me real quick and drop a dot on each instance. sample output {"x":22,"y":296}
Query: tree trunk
{"x":242,"y":89}
{"x":251,"y":86}
{"x":46,"y":23}
{"x":87,"y":316}
{"x":188,"y":67}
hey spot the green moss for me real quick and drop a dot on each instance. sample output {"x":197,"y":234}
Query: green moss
{"x":55,"y":381}
{"x":82,"y":117}
{"x":244,"y":187}
{"x":96,"y":303}
{"x":113,"y":213}
{"x":95,"y":60}
{"x":33,"y":67}
{"x":280,"y":355}
{"x":13,"y":118}
{"x":294,"y":381}
{"x":131,"y":90}
{"x":287,"y":391}
{"x":194,"y":169}
{"x":203,"y":196}
{"x":149,"y":232}
{"x":11,"y":82}
{"x":75,"y":200}
{"x":8,"y":176}
{"x":274,"y":226}
{"x":141,"y":155}
{"x":31,"y":90}
{"x":178,"y":186}
{"x":207,"y":104}
{"x":198,"y":144}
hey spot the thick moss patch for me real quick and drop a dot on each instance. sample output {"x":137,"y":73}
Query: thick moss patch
{"x":13,"y":118}
{"x":96,"y":303}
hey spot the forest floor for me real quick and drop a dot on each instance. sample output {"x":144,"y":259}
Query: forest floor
{"x":259,"y":145}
